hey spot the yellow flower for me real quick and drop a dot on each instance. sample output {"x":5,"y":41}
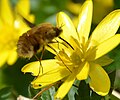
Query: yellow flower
{"x":101,"y":9}
{"x":11,"y":27}
{"x":85,"y":55}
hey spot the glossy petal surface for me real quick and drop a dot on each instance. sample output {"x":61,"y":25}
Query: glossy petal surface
{"x":106,"y":28}
{"x":50,"y":77}
{"x":83,"y":74}
{"x":100,"y":82}
{"x":67,"y":26}
{"x":34,"y":67}
{"x":107,"y":46}
{"x":85,"y":18}
{"x":65,"y":87}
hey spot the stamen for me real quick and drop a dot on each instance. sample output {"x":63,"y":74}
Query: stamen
{"x":59,"y":57}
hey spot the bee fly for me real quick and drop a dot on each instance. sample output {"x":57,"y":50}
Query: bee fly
{"x":36,"y":39}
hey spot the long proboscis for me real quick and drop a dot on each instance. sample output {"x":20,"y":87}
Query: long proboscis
{"x":59,"y":57}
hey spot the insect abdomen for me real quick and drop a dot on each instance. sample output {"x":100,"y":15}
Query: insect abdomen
{"x":27,"y":46}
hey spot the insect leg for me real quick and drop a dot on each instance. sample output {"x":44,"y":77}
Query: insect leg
{"x":43,"y":49}
{"x":42,"y":52}
{"x":62,"y":43}
{"x":40,"y":64}
{"x":58,"y":43}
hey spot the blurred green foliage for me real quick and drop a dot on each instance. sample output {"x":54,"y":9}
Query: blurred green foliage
{"x":13,"y":82}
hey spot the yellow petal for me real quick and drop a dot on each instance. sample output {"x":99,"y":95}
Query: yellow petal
{"x":104,"y":60}
{"x":83,"y":74}
{"x":12,"y":57}
{"x":6,"y":12}
{"x":100,"y":82}
{"x":20,"y":25}
{"x":50,"y":77}
{"x":85,"y":18}
{"x":74,"y":7}
{"x":57,"y":47}
{"x":1,"y":24}
{"x":67,"y":26}
{"x":23,"y":10}
{"x":3,"y":57}
{"x":107,"y":28}
{"x":34,"y":67}
{"x":107,"y":46}
{"x":31,"y":18}
{"x":65,"y":87}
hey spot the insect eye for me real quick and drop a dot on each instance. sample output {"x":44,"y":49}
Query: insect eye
{"x":58,"y":31}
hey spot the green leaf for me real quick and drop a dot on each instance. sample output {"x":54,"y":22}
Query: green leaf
{"x":65,"y":98}
{"x":46,"y":95}
{"x":49,"y":94}
{"x":7,"y":93}
{"x":32,"y":92}
{"x":83,"y":91}
{"x":72,"y":93}
{"x":115,"y":55}
{"x":112,"y":80}
{"x":95,"y":96}
{"x":113,"y":97}
{"x":116,"y":4}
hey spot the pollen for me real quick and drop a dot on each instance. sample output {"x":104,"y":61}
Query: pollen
{"x":75,"y":58}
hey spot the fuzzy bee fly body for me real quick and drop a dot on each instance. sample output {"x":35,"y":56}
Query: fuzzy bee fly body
{"x":36,"y":38}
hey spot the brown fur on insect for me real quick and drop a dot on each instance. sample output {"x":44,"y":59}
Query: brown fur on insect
{"x":36,"y":38}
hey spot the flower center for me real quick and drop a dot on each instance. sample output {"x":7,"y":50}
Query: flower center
{"x":75,"y":57}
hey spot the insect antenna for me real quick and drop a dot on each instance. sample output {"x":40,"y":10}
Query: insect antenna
{"x":59,"y":57}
